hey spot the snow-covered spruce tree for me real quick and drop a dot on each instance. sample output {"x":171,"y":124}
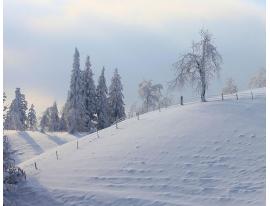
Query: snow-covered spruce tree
{"x":16,"y":118}
{"x":198,"y":66}
{"x":62,"y":123}
{"x":32,"y":119}
{"x":89,"y":97}
{"x":150,"y":94}
{"x":116,"y":102}
{"x":258,"y":80}
{"x":53,"y":118}
{"x":102,"y":102}
{"x":230,"y":87}
{"x":74,"y":104}
{"x":44,"y":121}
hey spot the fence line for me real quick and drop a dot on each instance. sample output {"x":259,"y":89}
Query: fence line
{"x":192,"y":100}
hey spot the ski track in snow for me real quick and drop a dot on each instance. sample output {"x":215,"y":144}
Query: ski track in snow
{"x":200,"y":154}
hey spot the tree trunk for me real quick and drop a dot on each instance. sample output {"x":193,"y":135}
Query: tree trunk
{"x":203,"y":93}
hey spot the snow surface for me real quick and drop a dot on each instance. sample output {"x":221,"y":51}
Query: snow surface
{"x":28,"y":144}
{"x":206,"y":154}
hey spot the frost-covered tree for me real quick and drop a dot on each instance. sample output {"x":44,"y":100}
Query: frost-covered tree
{"x":4,"y":108}
{"x":150,"y":94}
{"x":16,"y":118}
{"x":102,"y":102}
{"x":116,"y":102}
{"x":230,"y":87}
{"x":31,"y":118}
{"x":89,"y":97}
{"x":74,"y":104}
{"x":166,"y":101}
{"x":198,"y":66}
{"x":258,"y":80}
{"x":62,"y":123}
{"x":132,"y":110}
{"x":53,"y":118}
{"x":44,"y":121}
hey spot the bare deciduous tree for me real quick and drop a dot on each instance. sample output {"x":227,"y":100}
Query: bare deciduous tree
{"x":199,"y":66}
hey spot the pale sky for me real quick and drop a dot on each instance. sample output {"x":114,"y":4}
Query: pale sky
{"x":141,"y":38}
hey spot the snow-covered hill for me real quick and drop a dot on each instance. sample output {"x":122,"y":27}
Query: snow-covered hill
{"x":199,"y":154}
{"x":28,"y":144}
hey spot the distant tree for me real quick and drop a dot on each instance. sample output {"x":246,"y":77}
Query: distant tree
{"x":16,"y":118}
{"x":116,"y":102}
{"x":230,"y":87}
{"x":132,"y":110}
{"x":258,"y":80}
{"x":74,"y":105}
{"x":150,"y":94}
{"x":45,"y":120}
{"x":53,"y":118}
{"x":199,"y":66}
{"x":89,"y":97}
{"x":31,"y":118}
{"x":102,"y":102}
{"x":166,"y":101}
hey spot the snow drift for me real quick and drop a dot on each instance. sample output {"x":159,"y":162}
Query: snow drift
{"x":198,"y":154}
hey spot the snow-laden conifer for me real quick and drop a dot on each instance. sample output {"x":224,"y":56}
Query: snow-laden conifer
{"x":116,"y":102}
{"x":31,"y":118}
{"x":102,"y":102}
{"x":89,"y":97}
{"x":53,"y":118}
{"x":74,"y":104}
{"x":16,"y":116}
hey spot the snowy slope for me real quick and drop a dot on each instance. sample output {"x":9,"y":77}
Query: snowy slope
{"x":199,"y":154}
{"x":28,"y":144}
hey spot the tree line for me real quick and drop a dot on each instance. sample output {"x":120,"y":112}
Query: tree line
{"x":87,"y":108}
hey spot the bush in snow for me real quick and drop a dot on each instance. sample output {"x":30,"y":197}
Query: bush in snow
{"x":12,"y":174}
{"x":230,"y":87}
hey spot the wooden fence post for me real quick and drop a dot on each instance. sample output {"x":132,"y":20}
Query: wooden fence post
{"x":251,"y":95}
{"x":222,"y":98}
{"x":138,"y":115}
{"x":36,"y":166}
{"x":236,"y":96}
{"x":56,"y":155}
{"x":97,"y":133}
{"x":77,"y":144}
{"x":182,"y":101}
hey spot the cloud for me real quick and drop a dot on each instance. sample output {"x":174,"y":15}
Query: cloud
{"x":16,"y":58}
{"x":151,"y":14}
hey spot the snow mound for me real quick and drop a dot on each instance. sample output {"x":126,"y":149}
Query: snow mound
{"x":198,"y":154}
